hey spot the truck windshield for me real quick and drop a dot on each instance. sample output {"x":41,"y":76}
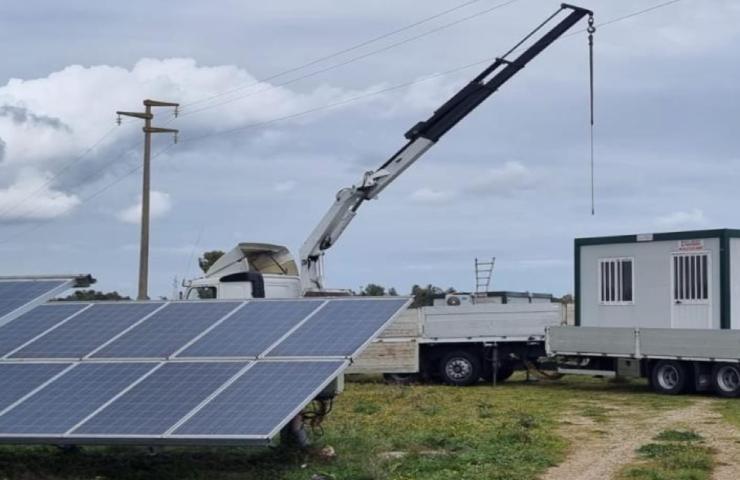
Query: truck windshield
{"x":201,"y":293}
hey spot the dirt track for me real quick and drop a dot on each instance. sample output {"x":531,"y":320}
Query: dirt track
{"x":600,"y":448}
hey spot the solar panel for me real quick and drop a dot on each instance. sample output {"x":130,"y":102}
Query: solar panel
{"x":166,"y":331}
{"x":252,"y":329}
{"x":21,"y":379}
{"x":15,"y":294}
{"x":87,"y":331}
{"x":214,"y":385}
{"x":261,"y":401}
{"x":340,"y":328}
{"x":159,"y":401}
{"x":33,"y":323}
{"x":69,"y":399}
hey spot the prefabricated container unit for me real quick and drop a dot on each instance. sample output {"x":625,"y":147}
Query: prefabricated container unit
{"x":683,"y":280}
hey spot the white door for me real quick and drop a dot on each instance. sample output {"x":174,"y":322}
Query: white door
{"x":691,"y":290}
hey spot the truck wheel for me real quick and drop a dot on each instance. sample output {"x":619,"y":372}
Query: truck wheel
{"x":400,"y":378}
{"x":726,"y":379}
{"x":669,"y":377}
{"x":460,"y":368}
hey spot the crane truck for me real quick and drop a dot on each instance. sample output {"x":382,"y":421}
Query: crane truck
{"x":261,"y":270}
{"x":483,"y":338}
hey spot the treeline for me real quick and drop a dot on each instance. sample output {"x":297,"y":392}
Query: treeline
{"x":423,"y":296}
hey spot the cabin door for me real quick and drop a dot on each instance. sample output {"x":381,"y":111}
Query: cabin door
{"x":691,"y":275}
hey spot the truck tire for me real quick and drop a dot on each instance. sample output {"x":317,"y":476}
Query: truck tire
{"x":669,"y":377}
{"x":460,"y":368}
{"x":726,"y":379}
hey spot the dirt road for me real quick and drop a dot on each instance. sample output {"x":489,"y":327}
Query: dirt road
{"x":602,"y":443}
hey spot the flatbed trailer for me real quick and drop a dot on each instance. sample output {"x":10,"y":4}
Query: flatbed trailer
{"x":673,"y":360}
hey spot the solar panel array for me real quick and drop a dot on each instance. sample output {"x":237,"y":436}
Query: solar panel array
{"x":175,"y":372}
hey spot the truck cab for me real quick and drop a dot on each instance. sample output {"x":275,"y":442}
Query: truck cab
{"x":249,"y":270}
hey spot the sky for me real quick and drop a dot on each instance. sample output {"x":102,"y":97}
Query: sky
{"x":271,"y":129}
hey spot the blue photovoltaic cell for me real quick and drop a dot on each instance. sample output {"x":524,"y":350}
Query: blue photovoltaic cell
{"x":338,"y":329}
{"x":30,"y":324}
{"x":70,"y":398}
{"x":87,"y":331}
{"x":167,"y":330}
{"x":19,"y":379}
{"x":252,"y":329}
{"x":260,"y":400}
{"x":15,"y":294}
{"x":159,"y":401}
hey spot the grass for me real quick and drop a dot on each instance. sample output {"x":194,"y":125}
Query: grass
{"x":379,"y":432}
{"x":674,"y":455}
{"x":729,"y":408}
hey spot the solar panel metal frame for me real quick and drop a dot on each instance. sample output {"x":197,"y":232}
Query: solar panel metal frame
{"x":67,"y":283}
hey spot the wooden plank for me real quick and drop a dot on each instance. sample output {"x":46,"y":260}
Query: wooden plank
{"x":406,"y":325}
{"x":387,"y":357}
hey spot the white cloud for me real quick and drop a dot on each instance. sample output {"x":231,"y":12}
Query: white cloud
{"x":691,"y":218}
{"x":512,"y":177}
{"x":47,"y":122}
{"x":286,"y":186}
{"x":159,"y":205}
{"x":31,"y":198}
{"x":430,"y":196}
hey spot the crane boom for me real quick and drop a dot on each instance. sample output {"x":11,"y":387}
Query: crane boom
{"x":421,"y":137}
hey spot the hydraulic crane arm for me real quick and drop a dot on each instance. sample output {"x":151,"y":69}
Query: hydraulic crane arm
{"x":420,"y":138}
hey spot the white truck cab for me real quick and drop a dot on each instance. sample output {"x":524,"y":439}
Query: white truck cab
{"x":249,"y":270}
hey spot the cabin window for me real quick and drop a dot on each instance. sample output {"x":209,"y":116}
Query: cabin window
{"x":201,"y":293}
{"x":616,"y":281}
{"x":691,"y":278}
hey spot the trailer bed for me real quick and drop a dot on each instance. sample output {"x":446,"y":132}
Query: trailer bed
{"x":667,"y":343}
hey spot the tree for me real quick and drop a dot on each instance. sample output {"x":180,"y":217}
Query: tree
{"x":93,"y":295}
{"x":424,"y":296}
{"x":372,"y":290}
{"x":207,"y":260}
{"x":392,"y":292}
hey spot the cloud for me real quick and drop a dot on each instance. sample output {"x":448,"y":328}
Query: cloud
{"x":21,"y":115}
{"x":159,"y":205}
{"x":506,"y":180}
{"x":31,"y":198}
{"x":691,"y":218}
{"x":286,"y":186}
{"x":430,"y":196}
{"x":47,"y":123}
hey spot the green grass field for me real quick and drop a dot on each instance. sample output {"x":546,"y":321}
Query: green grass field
{"x":380,"y":432}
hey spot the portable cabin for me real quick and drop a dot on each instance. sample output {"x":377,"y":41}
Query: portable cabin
{"x":687,"y":280}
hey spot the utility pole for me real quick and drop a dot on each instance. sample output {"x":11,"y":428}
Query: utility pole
{"x":148,"y":130}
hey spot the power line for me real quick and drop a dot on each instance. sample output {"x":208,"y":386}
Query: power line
{"x":321,"y":108}
{"x":95,"y":194}
{"x":58,"y":173}
{"x":339,"y":52}
{"x":346,"y":62}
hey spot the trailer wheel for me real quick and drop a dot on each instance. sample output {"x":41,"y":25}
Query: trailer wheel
{"x":460,"y":368}
{"x":726,"y":379}
{"x":669,"y":377}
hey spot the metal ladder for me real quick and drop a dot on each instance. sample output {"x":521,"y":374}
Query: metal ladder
{"x":483,"y":272}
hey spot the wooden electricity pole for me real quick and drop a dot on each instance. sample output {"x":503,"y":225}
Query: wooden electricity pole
{"x":148,"y":130}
